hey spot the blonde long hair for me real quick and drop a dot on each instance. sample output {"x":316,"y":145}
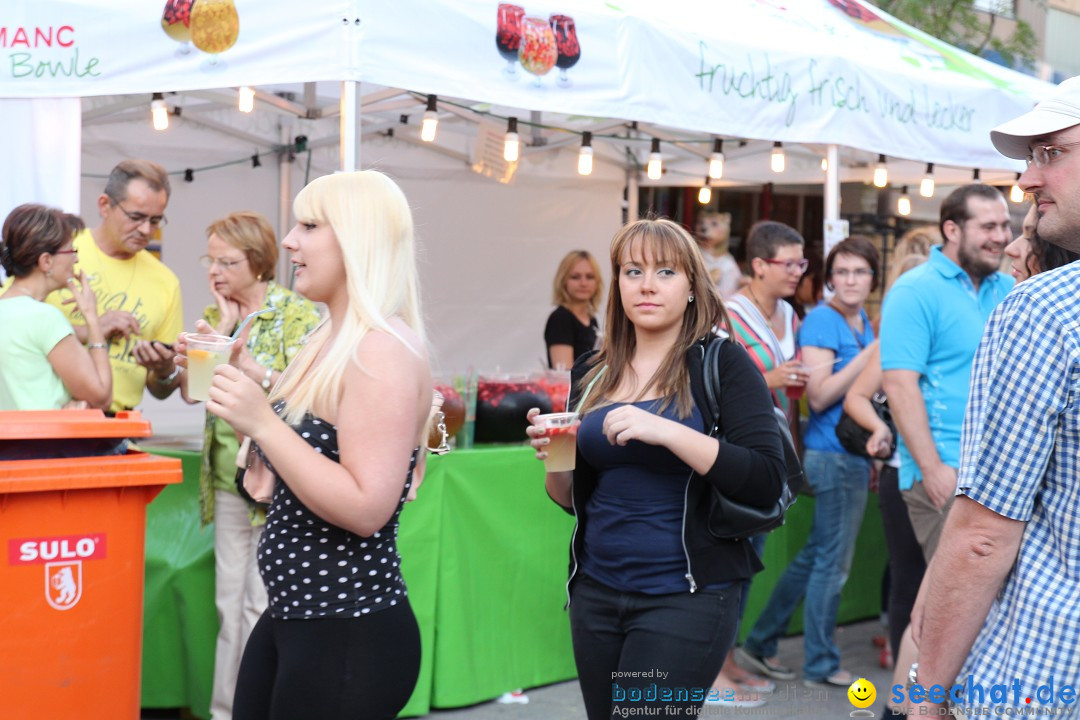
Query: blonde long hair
{"x":373,"y":225}
{"x":670,"y":244}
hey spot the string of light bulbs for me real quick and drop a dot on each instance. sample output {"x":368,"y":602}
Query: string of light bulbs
{"x":246,"y":95}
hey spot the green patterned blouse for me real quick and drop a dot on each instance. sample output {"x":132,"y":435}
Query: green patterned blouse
{"x":274,"y":340}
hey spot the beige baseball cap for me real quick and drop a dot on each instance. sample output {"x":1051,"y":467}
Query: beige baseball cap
{"x":1059,"y":111}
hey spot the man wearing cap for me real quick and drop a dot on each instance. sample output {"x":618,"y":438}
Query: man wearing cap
{"x":1001,"y":599}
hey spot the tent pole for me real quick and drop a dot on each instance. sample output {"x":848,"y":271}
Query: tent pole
{"x":832,"y":183}
{"x":350,"y":122}
{"x":630,"y":201}
{"x":284,"y":203}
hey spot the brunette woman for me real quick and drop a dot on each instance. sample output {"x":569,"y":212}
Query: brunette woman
{"x":651,"y":589}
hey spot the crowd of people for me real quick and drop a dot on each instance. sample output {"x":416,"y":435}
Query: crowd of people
{"x":316,"y":429}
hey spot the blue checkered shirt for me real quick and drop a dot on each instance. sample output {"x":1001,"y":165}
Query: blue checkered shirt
{"x":1020,"y":457}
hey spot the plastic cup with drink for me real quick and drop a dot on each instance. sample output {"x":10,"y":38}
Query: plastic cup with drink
{"x":204,"y":353}
{"x":561,"y":431}
{"x":794,"y":392}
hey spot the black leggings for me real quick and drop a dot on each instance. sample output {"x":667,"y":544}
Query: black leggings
{"x":906,"y":563}
{"x":649,"y":654}
{"x":329,"y":668}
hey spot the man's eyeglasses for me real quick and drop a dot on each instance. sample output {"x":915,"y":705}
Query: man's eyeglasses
{"x":1042,"y":155}
{"x":208,"y":262}
{"x":140,"y":218}
{"x":791,"y":266}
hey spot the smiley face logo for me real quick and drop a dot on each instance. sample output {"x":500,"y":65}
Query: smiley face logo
{"x":862,"y":693}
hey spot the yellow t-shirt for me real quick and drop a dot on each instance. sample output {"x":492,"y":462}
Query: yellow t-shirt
{"x":142,"y":286}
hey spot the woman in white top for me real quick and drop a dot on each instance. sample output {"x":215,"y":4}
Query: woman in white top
{"x":43,"y":366}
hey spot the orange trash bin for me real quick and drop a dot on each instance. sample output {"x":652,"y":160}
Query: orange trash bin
{"x":71,"y":587}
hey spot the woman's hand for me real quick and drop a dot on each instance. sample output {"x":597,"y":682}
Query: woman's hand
{"x":537,"y":434}
{"x":790,"y":373}
{"x":84,"y":296}
{"x":628,"y":422}
{"x":879,"y":444}
{"x":239,"y":401}
{"x":180,"y":346}
{"x":229,"y":311}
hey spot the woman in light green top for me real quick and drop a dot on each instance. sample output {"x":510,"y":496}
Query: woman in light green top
{"x":42,"y":364}
{"x":241,"y":254}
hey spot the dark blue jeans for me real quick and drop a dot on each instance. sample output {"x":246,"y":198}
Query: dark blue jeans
{"x":819,"y":571}
{"x":658,"y":651}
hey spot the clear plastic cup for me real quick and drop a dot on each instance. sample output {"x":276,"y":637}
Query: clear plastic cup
{"x":204,"y":353}
{"x":562,"y":449}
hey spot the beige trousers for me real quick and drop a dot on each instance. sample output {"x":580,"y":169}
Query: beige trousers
{"x":240,"y":594}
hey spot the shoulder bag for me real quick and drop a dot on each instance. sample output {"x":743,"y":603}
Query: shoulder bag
{"x":729,"y":518}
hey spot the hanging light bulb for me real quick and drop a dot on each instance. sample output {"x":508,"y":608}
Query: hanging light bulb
{"x":776,"y":157}
{"x":716,"y":160}
{"x":656,"y":168}
{"x":704,"y":195}
{"x":430,"y":121}
{"x":1015,"y":193}
{"x":881,"y":173}
{"x":246,"y":99}
{"x":926,"y":187}
{"x":159,"y":111}
{"x":903,"y":203}
{"x":824,"y":164}
{"x":512,"y":144}
{"x":584,"y":158}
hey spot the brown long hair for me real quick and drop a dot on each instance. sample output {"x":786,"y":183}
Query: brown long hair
{"x":670,"y":244}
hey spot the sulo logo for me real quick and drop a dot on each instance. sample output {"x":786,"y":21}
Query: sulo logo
{"x":63,"y":560}
{"x":32,"y":551}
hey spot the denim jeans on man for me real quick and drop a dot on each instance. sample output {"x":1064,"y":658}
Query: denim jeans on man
{"x":840,"y":482}
{"x":684,"y":636}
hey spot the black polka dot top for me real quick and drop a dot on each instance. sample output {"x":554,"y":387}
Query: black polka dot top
{"x":314,"y":569}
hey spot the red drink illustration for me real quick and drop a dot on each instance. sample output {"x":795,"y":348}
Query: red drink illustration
{"x":508,"y":35}
{"x":567,"y":43}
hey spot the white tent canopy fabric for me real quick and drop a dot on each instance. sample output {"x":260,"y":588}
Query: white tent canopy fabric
{"x":816,"y":71}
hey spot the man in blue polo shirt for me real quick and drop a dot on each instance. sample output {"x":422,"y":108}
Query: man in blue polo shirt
{"x":931,"y":324}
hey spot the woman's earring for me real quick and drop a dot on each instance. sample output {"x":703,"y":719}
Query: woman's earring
{"x":691,"y":298}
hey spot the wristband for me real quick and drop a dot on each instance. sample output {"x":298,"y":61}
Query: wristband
{"x":97,"y":346}
{"x":170,"y":377}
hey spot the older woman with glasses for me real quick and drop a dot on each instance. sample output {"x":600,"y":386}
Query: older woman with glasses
{"x":241,"y":253}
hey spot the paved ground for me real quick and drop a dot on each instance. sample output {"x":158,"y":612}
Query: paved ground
{"x":790,"y":700}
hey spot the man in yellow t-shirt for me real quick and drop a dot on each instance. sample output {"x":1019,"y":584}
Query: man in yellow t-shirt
{"x":138,"y":297}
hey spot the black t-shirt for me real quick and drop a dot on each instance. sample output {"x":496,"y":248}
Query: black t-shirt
{"x":563,"y":328}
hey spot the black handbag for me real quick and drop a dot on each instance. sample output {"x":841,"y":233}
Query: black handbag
{"x":853,"y":436}
{"x":728,"y":518}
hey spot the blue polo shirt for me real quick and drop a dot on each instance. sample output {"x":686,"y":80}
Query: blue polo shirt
{"x":931,"y":323}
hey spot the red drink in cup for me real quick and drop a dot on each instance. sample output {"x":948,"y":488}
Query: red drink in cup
{"x":562,"y":432}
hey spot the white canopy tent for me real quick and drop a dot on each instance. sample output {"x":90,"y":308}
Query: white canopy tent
{"x":820,"y":76}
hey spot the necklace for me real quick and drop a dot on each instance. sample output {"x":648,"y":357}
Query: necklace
{"x":768,"y":315}
{"x":22,"y":290}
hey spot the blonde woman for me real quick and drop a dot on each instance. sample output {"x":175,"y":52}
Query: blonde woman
{"x":571,"y":329}
{"x":339,"y":437}
{"x":651,"y":589}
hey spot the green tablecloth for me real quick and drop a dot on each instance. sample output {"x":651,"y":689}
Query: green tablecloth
{"x":484,"y":554}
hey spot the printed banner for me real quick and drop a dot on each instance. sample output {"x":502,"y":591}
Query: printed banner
{"x":813,"y":71}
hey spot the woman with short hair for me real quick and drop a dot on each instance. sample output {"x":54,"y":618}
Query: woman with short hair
{"x":43,"y":366}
